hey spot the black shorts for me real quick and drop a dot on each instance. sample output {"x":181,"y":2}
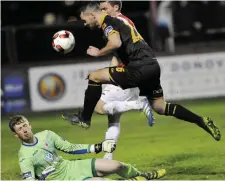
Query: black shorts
{"x":145,"y":77}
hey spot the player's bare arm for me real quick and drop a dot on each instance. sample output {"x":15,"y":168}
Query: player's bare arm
{"x":114,"y":42}
{"x":114,"y":62}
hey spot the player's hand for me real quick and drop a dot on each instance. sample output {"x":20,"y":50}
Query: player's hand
{"x":93,"y":51}
{"x":108,"y":146}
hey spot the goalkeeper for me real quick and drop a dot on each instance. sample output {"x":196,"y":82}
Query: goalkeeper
{"x":38,"y":157}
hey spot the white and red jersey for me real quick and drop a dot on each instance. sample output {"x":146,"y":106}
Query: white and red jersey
{"x":126,"y":19}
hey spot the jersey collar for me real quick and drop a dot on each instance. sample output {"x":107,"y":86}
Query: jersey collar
{"x":102,"y":19}
{"x":31,"y":144}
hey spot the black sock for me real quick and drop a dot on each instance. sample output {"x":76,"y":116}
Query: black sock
{"x":180,"y":112}
{"x":92,"y":95}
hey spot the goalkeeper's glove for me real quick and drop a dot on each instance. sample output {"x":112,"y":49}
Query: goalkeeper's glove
{"x":108,"y":146}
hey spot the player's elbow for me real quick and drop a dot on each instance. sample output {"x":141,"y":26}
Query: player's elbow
{"x":117,"y":43}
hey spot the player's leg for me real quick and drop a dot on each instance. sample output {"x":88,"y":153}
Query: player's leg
{"x":107,"y":167}
{"x":74,"y":170}
{"x":99,"y":108}
{"x":182,"y":113}
{"x":96,"y":178}
{"x":92,"y":95}
{"x":113,"y":131}
{"x":131,"y":95}
{"x":151,"y":87}
{"x":160,"y":106}
{"x":124,"y":106}
{"x":116,"y":100}
{"x":112,"y":75}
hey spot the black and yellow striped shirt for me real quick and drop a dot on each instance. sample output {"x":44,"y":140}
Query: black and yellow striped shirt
{"x":134,"y":48}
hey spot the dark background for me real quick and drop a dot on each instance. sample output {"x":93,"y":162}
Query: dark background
{"x":26,"y":39}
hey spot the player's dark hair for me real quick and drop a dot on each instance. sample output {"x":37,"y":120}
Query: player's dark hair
{"x":90,"y":5}
{"x":17,"y":119}
{"x":113,"y":3}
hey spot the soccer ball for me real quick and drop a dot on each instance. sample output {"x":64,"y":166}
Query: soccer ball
{"x":63,"y":41}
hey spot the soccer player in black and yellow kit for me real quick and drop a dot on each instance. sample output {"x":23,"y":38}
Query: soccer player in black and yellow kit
{"x":141,"y":70}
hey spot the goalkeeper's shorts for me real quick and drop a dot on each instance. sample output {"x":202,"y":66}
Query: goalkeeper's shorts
{"x":74,"y":170}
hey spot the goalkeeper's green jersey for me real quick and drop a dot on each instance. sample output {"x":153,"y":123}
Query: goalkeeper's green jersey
{"x":40,"y":158}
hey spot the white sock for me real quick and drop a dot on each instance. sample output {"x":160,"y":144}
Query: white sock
{"x":113,"y":131}
{"x":122,"y":106}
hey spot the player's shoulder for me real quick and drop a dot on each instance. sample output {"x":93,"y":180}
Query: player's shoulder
{"x":125,"y":19}
{"x":111,"y":20}
{"x":120,"y":15}
{"x":24,"y":152}
{"x":43,"y":133}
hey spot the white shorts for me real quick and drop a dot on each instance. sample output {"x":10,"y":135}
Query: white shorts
{"x":113,"y":93}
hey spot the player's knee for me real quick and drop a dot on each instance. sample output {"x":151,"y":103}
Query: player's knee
{"x":159,"y":110}
{"x":99,"y":110}
{"x":118,"y":165}
{"x":93,"y":76}
{"x":159,"y":106}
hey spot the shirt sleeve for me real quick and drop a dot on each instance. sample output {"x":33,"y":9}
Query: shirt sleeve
{"x":27,"y":168}
{"x":67,"y":147}
{"x":109,"y":28}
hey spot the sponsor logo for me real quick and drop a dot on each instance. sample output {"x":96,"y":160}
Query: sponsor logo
{"x":51,"y":87}
{"x":49,"y":157}
{"x":157,"y":91}
{"x":108,"y":30}
{"x":209,"y":64}
{"x":13,"y":86}
{"x":18,"y":105}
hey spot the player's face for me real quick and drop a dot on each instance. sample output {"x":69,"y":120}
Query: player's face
{"x":107,"y":8}
{"x":89,"y":19}
{"x":23,"y":131}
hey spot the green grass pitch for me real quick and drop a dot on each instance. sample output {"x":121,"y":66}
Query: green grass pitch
{"x":183,"y":149}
